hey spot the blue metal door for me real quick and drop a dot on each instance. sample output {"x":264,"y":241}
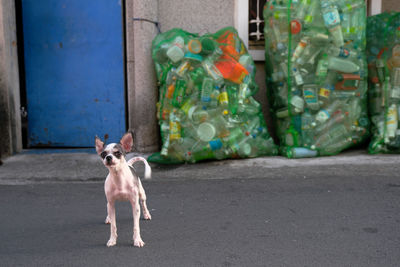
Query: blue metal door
{"x":74,"y":64}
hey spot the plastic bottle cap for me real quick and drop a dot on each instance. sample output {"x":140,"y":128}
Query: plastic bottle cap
{"x":207,"y":44}
{"x":295,"y":26}
{"x":215,"y":144}
{"x":194,"y":46}
{"x":206,"y":132}
{"x":375,"y":79}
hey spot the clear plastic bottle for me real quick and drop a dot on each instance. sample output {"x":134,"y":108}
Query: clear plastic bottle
{"x":330,"y":14}
{"x":324,"y":114}
{"x":183,"y":68}
{"x":310,"y":95}
{"x":301,"y":46}
{"x":325,"y":94}
{"x":375,"y":99}
{"x":214,"y":97}
{"x":179,"y":93}
{"x":298,"y":78}
{"x":301,"y":9}
{"x":311,"y":13}
{"x":342,"y":65}
{"x":338,"y":117}
{"x":380,"y":68}
{"x":176,"y":51}
{"x":322,"y":68}
{"x":212,"y":71}
{"x":174,"y":126}
{"x":223,"y":100}
{"x":301,"y":152}
{"x":297,"y":103}
{"x":206,"y":90}
{"x":391,"y":122}
{"x":206,"y":131}
{"x":165,"y":147}
{"x":307,"y":128}
{"x":341,"y":52}
{"x":327,"y":138}
{"x":220,"y":124}
{"x":395,"y":88}
{"x":247,"y":62}
{"x":336,"y":147}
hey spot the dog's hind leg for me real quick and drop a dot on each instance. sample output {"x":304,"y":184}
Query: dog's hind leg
{"x":143,"y":198}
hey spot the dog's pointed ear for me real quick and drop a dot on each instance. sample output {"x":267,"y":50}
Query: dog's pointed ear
{"x":99,"y":145}
{"x":127,"y":141}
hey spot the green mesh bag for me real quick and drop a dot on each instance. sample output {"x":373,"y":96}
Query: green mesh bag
{"x":317,"y":71}
{"x":206,"y":110}
{"x":383,"y":54}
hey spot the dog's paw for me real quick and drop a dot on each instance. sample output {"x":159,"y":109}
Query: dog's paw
{"x":111,"y":243}
{"x":138,"y":243}
{"x":108,"y":220}
{"x":147,"y":216}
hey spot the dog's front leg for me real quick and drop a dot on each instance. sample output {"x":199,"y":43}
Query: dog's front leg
{"x":137,"y":240}
{"x":113,"y":224}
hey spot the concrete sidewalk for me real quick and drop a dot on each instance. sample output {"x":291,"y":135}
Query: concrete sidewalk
{"x":48,"y":166}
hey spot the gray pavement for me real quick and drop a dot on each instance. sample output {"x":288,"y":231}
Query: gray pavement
{"x":33,"y":166}
{"x":319,"y":221}
{"x":271,"y":211}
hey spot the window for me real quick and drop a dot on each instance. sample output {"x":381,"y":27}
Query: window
{"x":250,"y":25}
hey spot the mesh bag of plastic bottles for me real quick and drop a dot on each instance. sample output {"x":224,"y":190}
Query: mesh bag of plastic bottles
{"x":383,"y":54}
{"x":317,"y":70}
{"x":206,"y":109}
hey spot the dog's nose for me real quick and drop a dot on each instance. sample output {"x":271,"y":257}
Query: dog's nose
{"x":109,"y":158}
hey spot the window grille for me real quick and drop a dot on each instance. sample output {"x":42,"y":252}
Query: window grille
{"x":256,"y":24}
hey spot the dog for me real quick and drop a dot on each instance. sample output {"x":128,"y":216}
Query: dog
{"x":122,"y":184}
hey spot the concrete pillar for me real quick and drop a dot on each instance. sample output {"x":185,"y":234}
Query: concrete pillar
{"x":10,"y":120}
{"x":142,"y":89}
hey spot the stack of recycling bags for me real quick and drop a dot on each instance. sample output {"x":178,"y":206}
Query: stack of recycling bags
{"x":317,"y":70}
{"x":383,"y":54}
{"x":206,"y":109}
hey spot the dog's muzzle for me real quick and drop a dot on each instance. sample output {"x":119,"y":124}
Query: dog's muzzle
{"x":109,"y":160}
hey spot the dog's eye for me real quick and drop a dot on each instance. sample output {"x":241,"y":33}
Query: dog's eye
{"x":118,"y":154}
{"x":103,"y":154}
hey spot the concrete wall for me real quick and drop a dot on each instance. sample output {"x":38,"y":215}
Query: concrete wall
{"x":142,"y":93}
{"x":391,"y":5}
{"x":196,"y":16}
{"x":10,"y":120}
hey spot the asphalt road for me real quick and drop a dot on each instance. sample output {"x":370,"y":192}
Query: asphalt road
{"x":293,"y":221}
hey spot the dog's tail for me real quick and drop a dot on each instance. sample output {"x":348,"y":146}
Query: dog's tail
{"x":147,"y":170}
